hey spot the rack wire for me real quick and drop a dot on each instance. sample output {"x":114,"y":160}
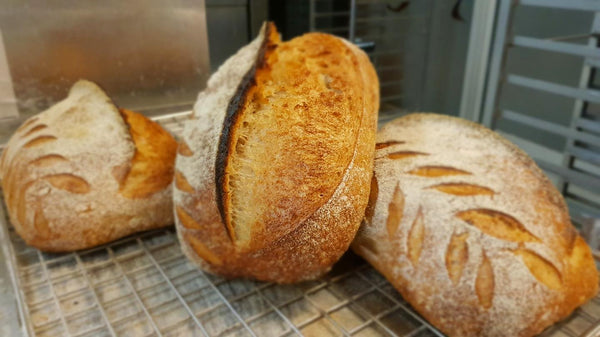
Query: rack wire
{"x":143,"y":285}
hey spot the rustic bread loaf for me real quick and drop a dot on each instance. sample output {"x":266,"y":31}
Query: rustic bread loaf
{"x":470,"y":231}
{"x":272,"y":175}
{"x":83,"y":173}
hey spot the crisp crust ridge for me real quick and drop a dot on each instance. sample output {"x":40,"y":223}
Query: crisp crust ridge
{"x":151,"y":168}
{"x":232,"y":116}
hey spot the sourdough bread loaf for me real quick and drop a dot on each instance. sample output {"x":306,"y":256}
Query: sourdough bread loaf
{"x":273,"y":170}
{"x":83,"y":173}
{"x":470,"y":231}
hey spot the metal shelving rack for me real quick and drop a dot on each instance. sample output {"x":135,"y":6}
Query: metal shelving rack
{"x":577,"y":168}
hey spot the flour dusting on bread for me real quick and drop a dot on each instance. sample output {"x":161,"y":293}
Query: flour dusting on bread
{"x":276,"y":193}
{"x":61,"y":174}
{"x":498,"y":246}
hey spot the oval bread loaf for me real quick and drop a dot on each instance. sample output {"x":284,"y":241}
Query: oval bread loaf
{"x":83,"y":173}
{"x":272,"y":175}
{"x":470,"y":231}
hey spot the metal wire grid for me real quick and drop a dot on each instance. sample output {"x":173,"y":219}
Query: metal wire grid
{"x":143,"y":285}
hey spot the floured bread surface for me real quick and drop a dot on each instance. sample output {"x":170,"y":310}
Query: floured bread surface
{"x":470,"y":231}
{"x":272,"y":175}
{"x":63,"y":171}
{"x":292,"y":141}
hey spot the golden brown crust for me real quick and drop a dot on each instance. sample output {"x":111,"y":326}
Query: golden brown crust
{"x":151,"y":168}
{"x":312,"y":108}
{"x":498,"y":255}
{"x":62,"y":171}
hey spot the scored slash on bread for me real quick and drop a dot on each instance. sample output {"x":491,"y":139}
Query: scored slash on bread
{"x":83,"y":173}
{"x":470,"y":231}
{"x":151,"y":168}
{"x":273,"y":171}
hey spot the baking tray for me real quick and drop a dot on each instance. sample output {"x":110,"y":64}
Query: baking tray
{"x":143,"y":285}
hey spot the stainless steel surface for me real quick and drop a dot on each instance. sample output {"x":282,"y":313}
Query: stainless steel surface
{"x":590,"y":229}
{"x":502,"y":23}
{"x":258,"y":11}
{"x":145,"y":54}
{"x":229,"y":24}
{"x":352,"y":21}
{"x":556,"y":46}
{"x":8,"y":101}
{"x":579,"y":106}
{"x":586,"y":5}
{"x":585,"y":94}
{"x":480,"y":40}
{"x":550,"y":127}
{"x":569,"y":175}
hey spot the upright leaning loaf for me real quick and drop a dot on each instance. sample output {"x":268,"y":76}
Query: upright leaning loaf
{"x":273,"y":172}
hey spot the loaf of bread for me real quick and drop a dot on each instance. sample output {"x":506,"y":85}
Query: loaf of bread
{"x":83,"y":173}
{"x":273,"y":173}
{"x":470,"y":231}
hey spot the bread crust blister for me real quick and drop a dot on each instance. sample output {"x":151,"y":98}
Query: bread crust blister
{"x":74,"y":177}
{"x":470,"y":230}
{"x":274,"y":167}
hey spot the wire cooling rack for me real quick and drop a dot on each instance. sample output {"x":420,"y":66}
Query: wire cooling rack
{"x":143,"y":285}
